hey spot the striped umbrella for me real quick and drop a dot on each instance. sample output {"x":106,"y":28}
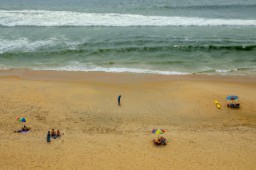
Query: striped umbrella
{"x":158,"y":131}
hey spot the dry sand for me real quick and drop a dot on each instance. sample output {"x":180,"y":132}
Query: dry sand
{"x":98,"y":134}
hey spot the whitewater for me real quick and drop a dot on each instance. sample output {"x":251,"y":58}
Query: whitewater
{"x":70,"y":18}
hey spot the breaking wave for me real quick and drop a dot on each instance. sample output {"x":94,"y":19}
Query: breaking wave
{"x":24,"y":45}
{"x":68,"y":18}
{"x":49,"y":47}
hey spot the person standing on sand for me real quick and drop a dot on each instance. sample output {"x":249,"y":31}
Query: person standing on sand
{"x":119,"y":100}
{"x":48,"y":137}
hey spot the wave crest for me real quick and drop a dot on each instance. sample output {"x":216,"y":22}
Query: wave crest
{"x":24,"y":45}
{"x":68,"y":18}
{"x":46,"y":47}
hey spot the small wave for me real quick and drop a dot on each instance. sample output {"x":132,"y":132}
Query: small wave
{"x":245,"y":68}
{"x":217,"y":47}
{"x":165,"y":62}
{"x":225,"y":71}
{"x":23,"y":45}
{"x":92,"y":68}
{"x":213,"y":6}
{"x":209,"y":71}
{"x":233,"y":47}
{"x":68,"y":18}
{"x":10,"y":48}
{"x":173,"y":47}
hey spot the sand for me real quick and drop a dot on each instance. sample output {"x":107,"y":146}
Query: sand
{"x":98,"y":134}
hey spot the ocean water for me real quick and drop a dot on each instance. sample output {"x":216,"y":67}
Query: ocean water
{"x":139,"y":36}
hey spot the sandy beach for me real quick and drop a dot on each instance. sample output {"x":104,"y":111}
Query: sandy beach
{"x":99,"y":134}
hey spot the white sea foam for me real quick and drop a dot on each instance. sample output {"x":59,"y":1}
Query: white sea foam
{"x":68,"y":18}
{"x":222,"y":71}
{"x":23,"y":44}
{"x":93,"y":68}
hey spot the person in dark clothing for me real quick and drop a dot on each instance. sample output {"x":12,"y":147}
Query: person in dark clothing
{"x":48,"y":136}
{"x":119,"y":100}
{"x":25,"y":128}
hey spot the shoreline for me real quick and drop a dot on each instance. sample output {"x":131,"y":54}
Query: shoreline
{"x":76,"y":76}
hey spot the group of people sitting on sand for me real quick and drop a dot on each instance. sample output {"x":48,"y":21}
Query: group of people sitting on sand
{"x":53,"y":134}
{"x":233,"y":105}
{"x":160,"y":141}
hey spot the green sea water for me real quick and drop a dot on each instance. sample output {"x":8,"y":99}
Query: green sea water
{"x":161,"y":37}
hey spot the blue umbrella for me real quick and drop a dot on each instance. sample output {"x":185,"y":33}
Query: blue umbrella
{"x":232,"y":97}
{"x":22,"y":119}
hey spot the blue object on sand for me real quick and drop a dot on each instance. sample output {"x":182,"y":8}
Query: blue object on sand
{"x":232,"y":97}
{"x":48,"y":138}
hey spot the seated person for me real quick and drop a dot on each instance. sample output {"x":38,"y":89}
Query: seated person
{"x":58,"y":133}
{"x":53,"y":133}
{"x":163,"y":140}
{"x":157,"y":141}
{"x":23,"y":129}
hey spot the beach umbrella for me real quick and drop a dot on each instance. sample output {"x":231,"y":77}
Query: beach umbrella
{"x":158,"y":131}
{"x":22,"y":119}
{"x":231,"y":97}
